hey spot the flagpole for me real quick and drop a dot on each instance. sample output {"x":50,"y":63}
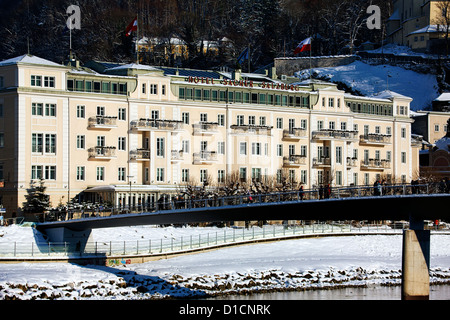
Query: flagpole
{"x":310,"y":63}
{"x":137,"y":39}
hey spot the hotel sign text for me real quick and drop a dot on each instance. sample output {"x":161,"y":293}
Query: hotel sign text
{"x":244,"y":83}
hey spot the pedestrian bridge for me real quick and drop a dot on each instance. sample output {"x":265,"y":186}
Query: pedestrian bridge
{"x":362,"y":203}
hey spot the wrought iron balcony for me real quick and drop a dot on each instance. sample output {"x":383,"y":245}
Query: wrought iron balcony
{"x":322,"y":162}
{"x":156,"y":124}
{"x":294,"y":134}
{"x":205,"y":157}
{"x":140,"y":155}
{"x":251,"y":129}
{"x":375,"y":164}
{"x":334,"y":135}
{"x":294,"y":161}
{"x":374,"y":138}
{"x":205,"y":128}
{"x":102,"y":122}
{"x":102,"y":153}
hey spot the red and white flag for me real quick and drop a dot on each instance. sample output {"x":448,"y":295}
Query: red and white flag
{"x":305,"y":45}
{"x":132,"y":27}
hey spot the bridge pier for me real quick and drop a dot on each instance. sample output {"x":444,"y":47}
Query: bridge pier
{"x":416,"y":262}
{"x":78,"y":239}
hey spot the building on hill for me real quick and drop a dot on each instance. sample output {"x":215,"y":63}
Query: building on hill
{"x":418,"y":24}
{"x":442,"y":103}
{"x":126,"y":134}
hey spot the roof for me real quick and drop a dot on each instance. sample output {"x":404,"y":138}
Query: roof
{"x":388,"y":94}
{"x":133,"y":66}
{"x":29,"y":59}
{"x":443,"y":97}
{"x":168,"y":71}
{"x":432,"y":28}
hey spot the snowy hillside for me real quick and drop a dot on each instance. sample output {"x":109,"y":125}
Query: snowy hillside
{"x":370,"y":80}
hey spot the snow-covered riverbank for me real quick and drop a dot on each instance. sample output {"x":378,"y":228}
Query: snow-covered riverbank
{"x":305,"y":264}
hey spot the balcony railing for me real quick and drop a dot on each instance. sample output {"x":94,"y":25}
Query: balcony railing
{"x":140,"y":155}
{"x":103,"y":122}
{"x":252,"y":129}
{"x":322,"y":162}
{"x":156,"y":124}
{"x":352,"y":162}
{"x":334,"y":134}
{"x":205,"y":127}
{"x":375,"y":164}
{"x":101,"y":152}
{"x":205,"y":157}
{"x":294,"y":134}
{"x":294,"y":161}
{"x":373,"y":138}
{"x":177,"y":155}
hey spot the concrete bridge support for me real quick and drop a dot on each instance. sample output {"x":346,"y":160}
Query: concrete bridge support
{"x":77,"y":239}
{"x":416,"y":262}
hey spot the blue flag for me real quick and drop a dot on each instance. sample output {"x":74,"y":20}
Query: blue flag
{"x":243,"y":56}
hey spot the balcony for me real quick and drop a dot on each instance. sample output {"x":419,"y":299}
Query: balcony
{"x":352,"y":162}
{"x":375,"y":139}
{"x":156,"y":125}
{"x":140,"y":155}
{"x":294,"y":134}
{"x":375,"y":164}
{"x":205,"y":128}
{"x":294,"y":161}
{"x":335,"y":135}
{"x":102,"y":122}
{"x":322,"y":162}
{"x":251,"y":129}
{"x":102,"y":153}
{"x":205,"y":157}
{"x":177,"y":155}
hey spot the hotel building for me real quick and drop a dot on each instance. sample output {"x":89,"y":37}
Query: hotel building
{"x":129,"y":133}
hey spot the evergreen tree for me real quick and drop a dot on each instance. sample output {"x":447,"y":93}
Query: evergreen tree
{"x":37,"y":200}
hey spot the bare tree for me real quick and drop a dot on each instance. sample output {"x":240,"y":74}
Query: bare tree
{"x":443,"y":21}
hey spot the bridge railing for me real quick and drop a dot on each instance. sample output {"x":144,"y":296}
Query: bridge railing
{"x":196,"y":240}
{"x":248,"y":199}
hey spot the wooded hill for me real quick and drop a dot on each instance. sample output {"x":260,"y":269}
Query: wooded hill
{"x":272,"y":28}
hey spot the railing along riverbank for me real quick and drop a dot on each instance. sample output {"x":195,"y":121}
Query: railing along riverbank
{"x":194,"y":242}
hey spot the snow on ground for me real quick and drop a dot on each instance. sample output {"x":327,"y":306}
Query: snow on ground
{"x":315,"y":263}
{"x":370,"y":80}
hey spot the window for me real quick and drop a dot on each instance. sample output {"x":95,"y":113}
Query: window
{"x":221,"y":120}
{"x":319,"y":125}
{"x":185,"y":117}
{"x":304,"y":124}
{"x":122,"y":143}
{"x":221,"y":147}
{"x":37,"y":142}
{"x":50,"y":110}
{"x":122,"y":114}
{"x":221,"y":176}
{"x":50,"y":143}
{"x":243,"y":148}
{"x":160,"y":174}
{"x":279,"y":123}
{"x":153,"y":89}
{"x":81,"y":142}
{"x":338,"y":154}
{"x":1,"y":110}
{"x":2,"y":139}
{"x":36,"y":172}
{"x":81,"y":112}
{"x":121,"y":174}
{"x":37,"y":109}
{"x":403,"y":157}
{"x":331,"y":102}
{"x":203,"y":175}
{"x":256,"y":148}
{"x":36,"y":81}
{"x":331,"y":125}
{"x":256,"y":174}
{"x":279,"y":150}
{"x":339,"y":178}
{"x":262,"y":121}
{"x":184,"y":175}
{"x":49,"y":82}
{"x":303,"y":150}
{"x":388,"y":156}
{"x":50,"y":173}
{"x":243,"y":174}
{"x":160,"y":147}
{"x":100,"y":111}
{"x":403,"y":132}
{"x":155,"y":114}
{"x":203,"y":117}
{"x":144,"y":88}
{"x":185,"y":146}
{"x":81,"y":173}
{"x":240,"y":120}
{"x":100,"y":173}
{"x":251,"y":120}
{"x":343,"y":126}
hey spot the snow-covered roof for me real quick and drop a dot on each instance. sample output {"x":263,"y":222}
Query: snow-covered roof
{"x":395,"y":16}
{"x":431,"y":28}
{"x":133,"y":66}
{"x":443,"y":97}
{"x":388,"y":94}
{"x":443,"y":144}
{"x":29,"y":59}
